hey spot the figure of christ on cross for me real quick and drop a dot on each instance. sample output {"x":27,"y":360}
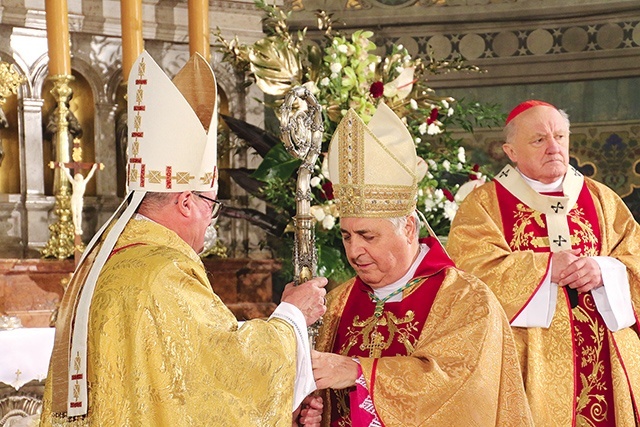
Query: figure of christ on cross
{"x":79,"y":185}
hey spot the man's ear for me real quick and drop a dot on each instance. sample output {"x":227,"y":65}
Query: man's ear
{"x":410,"y":228}
{"x":510,"y":152}
{"x":185,"y":203}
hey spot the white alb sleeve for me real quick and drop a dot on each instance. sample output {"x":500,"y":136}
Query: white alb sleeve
{"x":540,"y":309}
{"x":304,"y":383}
{"x":613,"y":300}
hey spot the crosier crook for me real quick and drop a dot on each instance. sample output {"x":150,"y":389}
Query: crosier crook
{"x":301,"y":132}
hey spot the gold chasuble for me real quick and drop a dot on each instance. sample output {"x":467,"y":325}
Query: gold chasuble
{"x":442,"y":356}
{"x":163,"y":350}
{"x":576,"y":372}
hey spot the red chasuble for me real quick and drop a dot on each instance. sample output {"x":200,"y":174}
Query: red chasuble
{"x":393,"y":333}
{"x":525,"y":229}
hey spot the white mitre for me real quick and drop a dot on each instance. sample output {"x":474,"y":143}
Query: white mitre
{"x":172,"y":127}
{"x":172,"y":148}
{"x":374,"y":169}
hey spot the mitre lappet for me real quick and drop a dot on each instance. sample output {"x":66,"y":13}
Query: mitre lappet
{"x":172,"y":147}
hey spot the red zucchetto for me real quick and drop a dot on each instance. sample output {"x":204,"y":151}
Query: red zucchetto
{"x":524,"y":106}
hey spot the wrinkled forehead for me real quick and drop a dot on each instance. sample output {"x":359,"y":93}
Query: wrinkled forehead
{"x":541,"y":120}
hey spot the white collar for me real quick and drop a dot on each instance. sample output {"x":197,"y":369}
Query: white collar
{"x":542,"y":187}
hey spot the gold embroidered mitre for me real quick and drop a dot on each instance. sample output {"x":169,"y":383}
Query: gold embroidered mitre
{"x":172,"y":127}
{"x":374,"y":169}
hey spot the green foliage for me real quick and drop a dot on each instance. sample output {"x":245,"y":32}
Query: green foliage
{"x":344,"y":71}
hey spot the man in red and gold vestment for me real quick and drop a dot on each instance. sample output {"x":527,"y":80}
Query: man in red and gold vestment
{"x":411,"y":340}
{"x":562,"y":254}
{"x":141,"y":338}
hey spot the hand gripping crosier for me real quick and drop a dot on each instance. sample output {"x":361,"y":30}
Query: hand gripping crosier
{"x":301,"y":131}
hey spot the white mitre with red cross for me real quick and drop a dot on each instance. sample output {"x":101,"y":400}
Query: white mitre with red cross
{"x":172,"y":127}
{"x":172,"y":148}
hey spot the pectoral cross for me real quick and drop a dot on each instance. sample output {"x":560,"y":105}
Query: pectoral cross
{"x":375,"y":345}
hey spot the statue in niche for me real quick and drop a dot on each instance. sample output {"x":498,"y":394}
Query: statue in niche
{"x":4,"y":123}
{"x":51,"y":128}
{"x":79,"y":186}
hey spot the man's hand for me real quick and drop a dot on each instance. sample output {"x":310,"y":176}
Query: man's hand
{"x":333,"y":370}
{"x":582,"y":274}
{"x":560,"y":261}
{"x":310,"y":412}
{"x":308,"y":297}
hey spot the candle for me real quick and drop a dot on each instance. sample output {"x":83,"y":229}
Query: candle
{"x":56,"y":15}
{"x":132,"y":44}
{"x":199,"y":28}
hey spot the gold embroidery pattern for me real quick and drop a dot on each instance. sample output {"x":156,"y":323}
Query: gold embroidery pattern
{"x":591,"y":406}
{"x":403,"y":330}
{"x":523,"y":239}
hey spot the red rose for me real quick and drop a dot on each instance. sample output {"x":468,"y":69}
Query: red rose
{"x":377,"y":89}
{"x":474,"y":174}
{"x":327,"y":189}
{"x":448,"y":194}
{"x":433,"y":116}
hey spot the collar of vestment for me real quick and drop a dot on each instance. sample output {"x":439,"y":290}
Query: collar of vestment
{"x":555,"y":208}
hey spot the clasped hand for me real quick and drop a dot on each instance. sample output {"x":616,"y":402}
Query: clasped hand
{"x":580,"y":273}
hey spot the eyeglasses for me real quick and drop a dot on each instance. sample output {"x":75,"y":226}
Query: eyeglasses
{"x":216,"y":205}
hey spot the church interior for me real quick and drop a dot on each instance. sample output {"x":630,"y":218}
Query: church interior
{"x":63,"y":67}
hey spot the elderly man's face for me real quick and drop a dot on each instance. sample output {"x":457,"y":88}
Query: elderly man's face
{"x":379,"y":255}
{"x":540,"y":146}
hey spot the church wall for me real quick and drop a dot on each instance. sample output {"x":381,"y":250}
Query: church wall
{"x":26,"y":193}
{"x":580,"y":55}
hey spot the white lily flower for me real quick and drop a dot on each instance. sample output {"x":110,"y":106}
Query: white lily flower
{"x":401,"y":86}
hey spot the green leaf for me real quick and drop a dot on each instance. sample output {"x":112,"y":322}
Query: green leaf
{"x":278,"y":163}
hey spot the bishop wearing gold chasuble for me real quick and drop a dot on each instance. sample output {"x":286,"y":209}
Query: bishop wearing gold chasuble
{"x":411,"y":340}
{"x":141,"y":338}
{"x":562,"y":254}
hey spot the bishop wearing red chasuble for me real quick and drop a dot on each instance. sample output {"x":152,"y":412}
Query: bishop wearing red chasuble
{"x":562,"y":254}
{"x":411,"y":340}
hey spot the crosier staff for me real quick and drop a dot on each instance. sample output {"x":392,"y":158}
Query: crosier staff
{"x":301,"y":132}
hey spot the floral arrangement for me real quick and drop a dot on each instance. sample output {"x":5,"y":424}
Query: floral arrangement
{"x":343,"y":72}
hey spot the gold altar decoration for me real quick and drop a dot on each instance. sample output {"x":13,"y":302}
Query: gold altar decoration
{"x":10,"y":81}
{"x":61,"y":239}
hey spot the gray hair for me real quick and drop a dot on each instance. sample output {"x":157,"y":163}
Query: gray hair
{"x":510,"y":129}
{"x":400,"y":222}
{"x":154,"y":201}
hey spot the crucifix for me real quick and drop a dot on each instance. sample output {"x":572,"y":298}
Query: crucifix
{"x":72,"y":171}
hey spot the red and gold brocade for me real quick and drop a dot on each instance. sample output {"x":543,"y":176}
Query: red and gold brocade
{"x":569,"y":373}
{"x":442,"y":356}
